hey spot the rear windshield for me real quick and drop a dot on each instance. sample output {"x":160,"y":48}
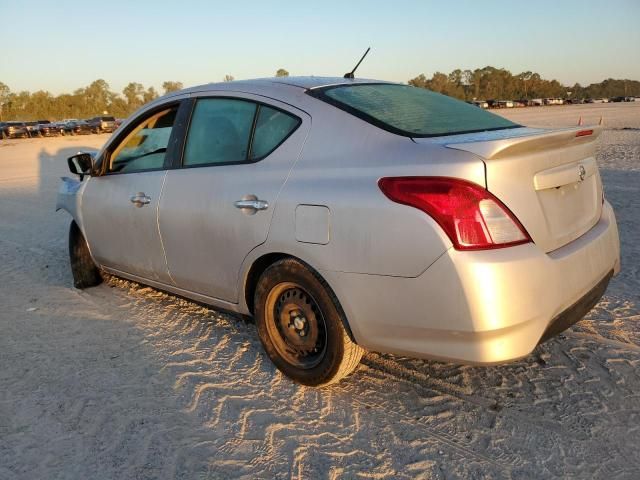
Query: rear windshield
{"x":411,"y":111}
{"x":108,"y":119}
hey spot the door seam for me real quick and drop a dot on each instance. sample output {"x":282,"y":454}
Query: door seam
{"x":164,"y":252}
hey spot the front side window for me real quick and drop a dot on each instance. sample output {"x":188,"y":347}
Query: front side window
{"x":145,"y":147}
{"x":219,"y":132}
{"x":411,"y":111}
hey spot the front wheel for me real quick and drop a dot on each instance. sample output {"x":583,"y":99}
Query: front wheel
{"x":85,"y":273}
{"x":300,"y":324}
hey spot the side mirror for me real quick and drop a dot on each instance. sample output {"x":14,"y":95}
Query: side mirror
{"x":81,"y":164}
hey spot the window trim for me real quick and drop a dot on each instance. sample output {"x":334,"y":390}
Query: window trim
{"x":252,"y":132}
{"x":318,"y":93}
{"x":173,"y":147}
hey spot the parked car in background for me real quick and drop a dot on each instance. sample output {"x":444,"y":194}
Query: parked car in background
{"x":414,"y":224}
{"x":77,"y":127}
{"x":15,"y":130}
{"x":49,"y":129}
{"x":536,"y":102}
{"x":102,"y":124}
{"x":503,"y":104}
{"x":480,"y":103}
{"x":623,"y":99}
{"x":600,"y":100}
{"x":39,"y":123}
{"x":32,"y":128}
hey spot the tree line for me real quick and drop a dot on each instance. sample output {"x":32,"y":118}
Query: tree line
{"x":482,"y":84}
{"x":95,"y":99}
{"x":500,"y":84}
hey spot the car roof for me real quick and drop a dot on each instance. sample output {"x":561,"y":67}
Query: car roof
{"x":305,"y":83}
{"x":284,"y":89}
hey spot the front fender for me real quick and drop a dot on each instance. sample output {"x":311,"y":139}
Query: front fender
{"x":69,"y":198}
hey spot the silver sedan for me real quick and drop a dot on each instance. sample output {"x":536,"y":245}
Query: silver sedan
{"x":347,"y":215}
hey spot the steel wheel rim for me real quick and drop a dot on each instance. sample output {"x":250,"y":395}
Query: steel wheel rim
{"x":296,"y":325}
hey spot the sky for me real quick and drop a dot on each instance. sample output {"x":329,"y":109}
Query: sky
{"x":61,"y":45}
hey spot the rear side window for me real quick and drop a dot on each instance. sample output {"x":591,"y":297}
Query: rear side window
{"x":411,"y":111}
{"x":272,"y":128}
{"x":219,"y":132}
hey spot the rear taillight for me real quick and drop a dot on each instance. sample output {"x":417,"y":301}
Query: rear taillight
{"x":584,"y":133}
{"x":471,"y":216}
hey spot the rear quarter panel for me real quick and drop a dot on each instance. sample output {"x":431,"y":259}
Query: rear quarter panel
{"x":342,"y":161}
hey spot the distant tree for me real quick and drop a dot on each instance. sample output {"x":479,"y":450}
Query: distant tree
{"x":228,"y":78}
{"x":119,"y":107}
{"x":97,"y":97}
{"x":282,"y":73}
{"x":133,"y":92}
{"x":149,"y":95}
{"x":525,"y":77}
{"x":4,"y":99}
{"x":170,"y":86}
{"x":420,"y":81}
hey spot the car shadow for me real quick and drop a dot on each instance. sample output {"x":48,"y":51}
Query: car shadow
{"x":30,"y":172}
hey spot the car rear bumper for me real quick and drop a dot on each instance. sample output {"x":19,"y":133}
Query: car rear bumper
{"x":481,"y":307}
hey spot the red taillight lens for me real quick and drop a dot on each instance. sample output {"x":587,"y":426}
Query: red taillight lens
{"x":584,"y":133}
{"x":471,"y":216}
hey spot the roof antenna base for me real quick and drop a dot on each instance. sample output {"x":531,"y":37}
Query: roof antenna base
{"x":351,"y":73}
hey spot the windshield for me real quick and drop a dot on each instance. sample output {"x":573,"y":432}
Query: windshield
{"x":411,"y":111}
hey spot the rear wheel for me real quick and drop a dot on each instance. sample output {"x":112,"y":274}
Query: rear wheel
{"x":85,"y":273}
{"x":300,"y":324}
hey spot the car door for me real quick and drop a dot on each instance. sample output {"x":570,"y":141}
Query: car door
{"x":120,"y":205}
{"x":218,"y":206}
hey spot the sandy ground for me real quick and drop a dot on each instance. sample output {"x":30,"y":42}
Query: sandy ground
{"x":121,"y":381}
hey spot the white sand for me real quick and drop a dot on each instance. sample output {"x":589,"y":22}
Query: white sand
{"x":122,"y":381}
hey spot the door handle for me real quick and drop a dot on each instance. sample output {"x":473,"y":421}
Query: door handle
{"x":140,"y":199}
{"x":250,"y":204}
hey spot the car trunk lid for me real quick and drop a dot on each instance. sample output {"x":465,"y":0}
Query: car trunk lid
{"x":548,"y":178}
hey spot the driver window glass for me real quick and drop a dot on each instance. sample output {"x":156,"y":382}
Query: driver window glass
{"x":145,"y":147}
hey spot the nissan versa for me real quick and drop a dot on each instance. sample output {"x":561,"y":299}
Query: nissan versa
{"x":347,"y":215}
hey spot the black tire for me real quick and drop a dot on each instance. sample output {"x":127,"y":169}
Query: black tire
{"x":300,"y":324}
{"x":85,"y":273}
